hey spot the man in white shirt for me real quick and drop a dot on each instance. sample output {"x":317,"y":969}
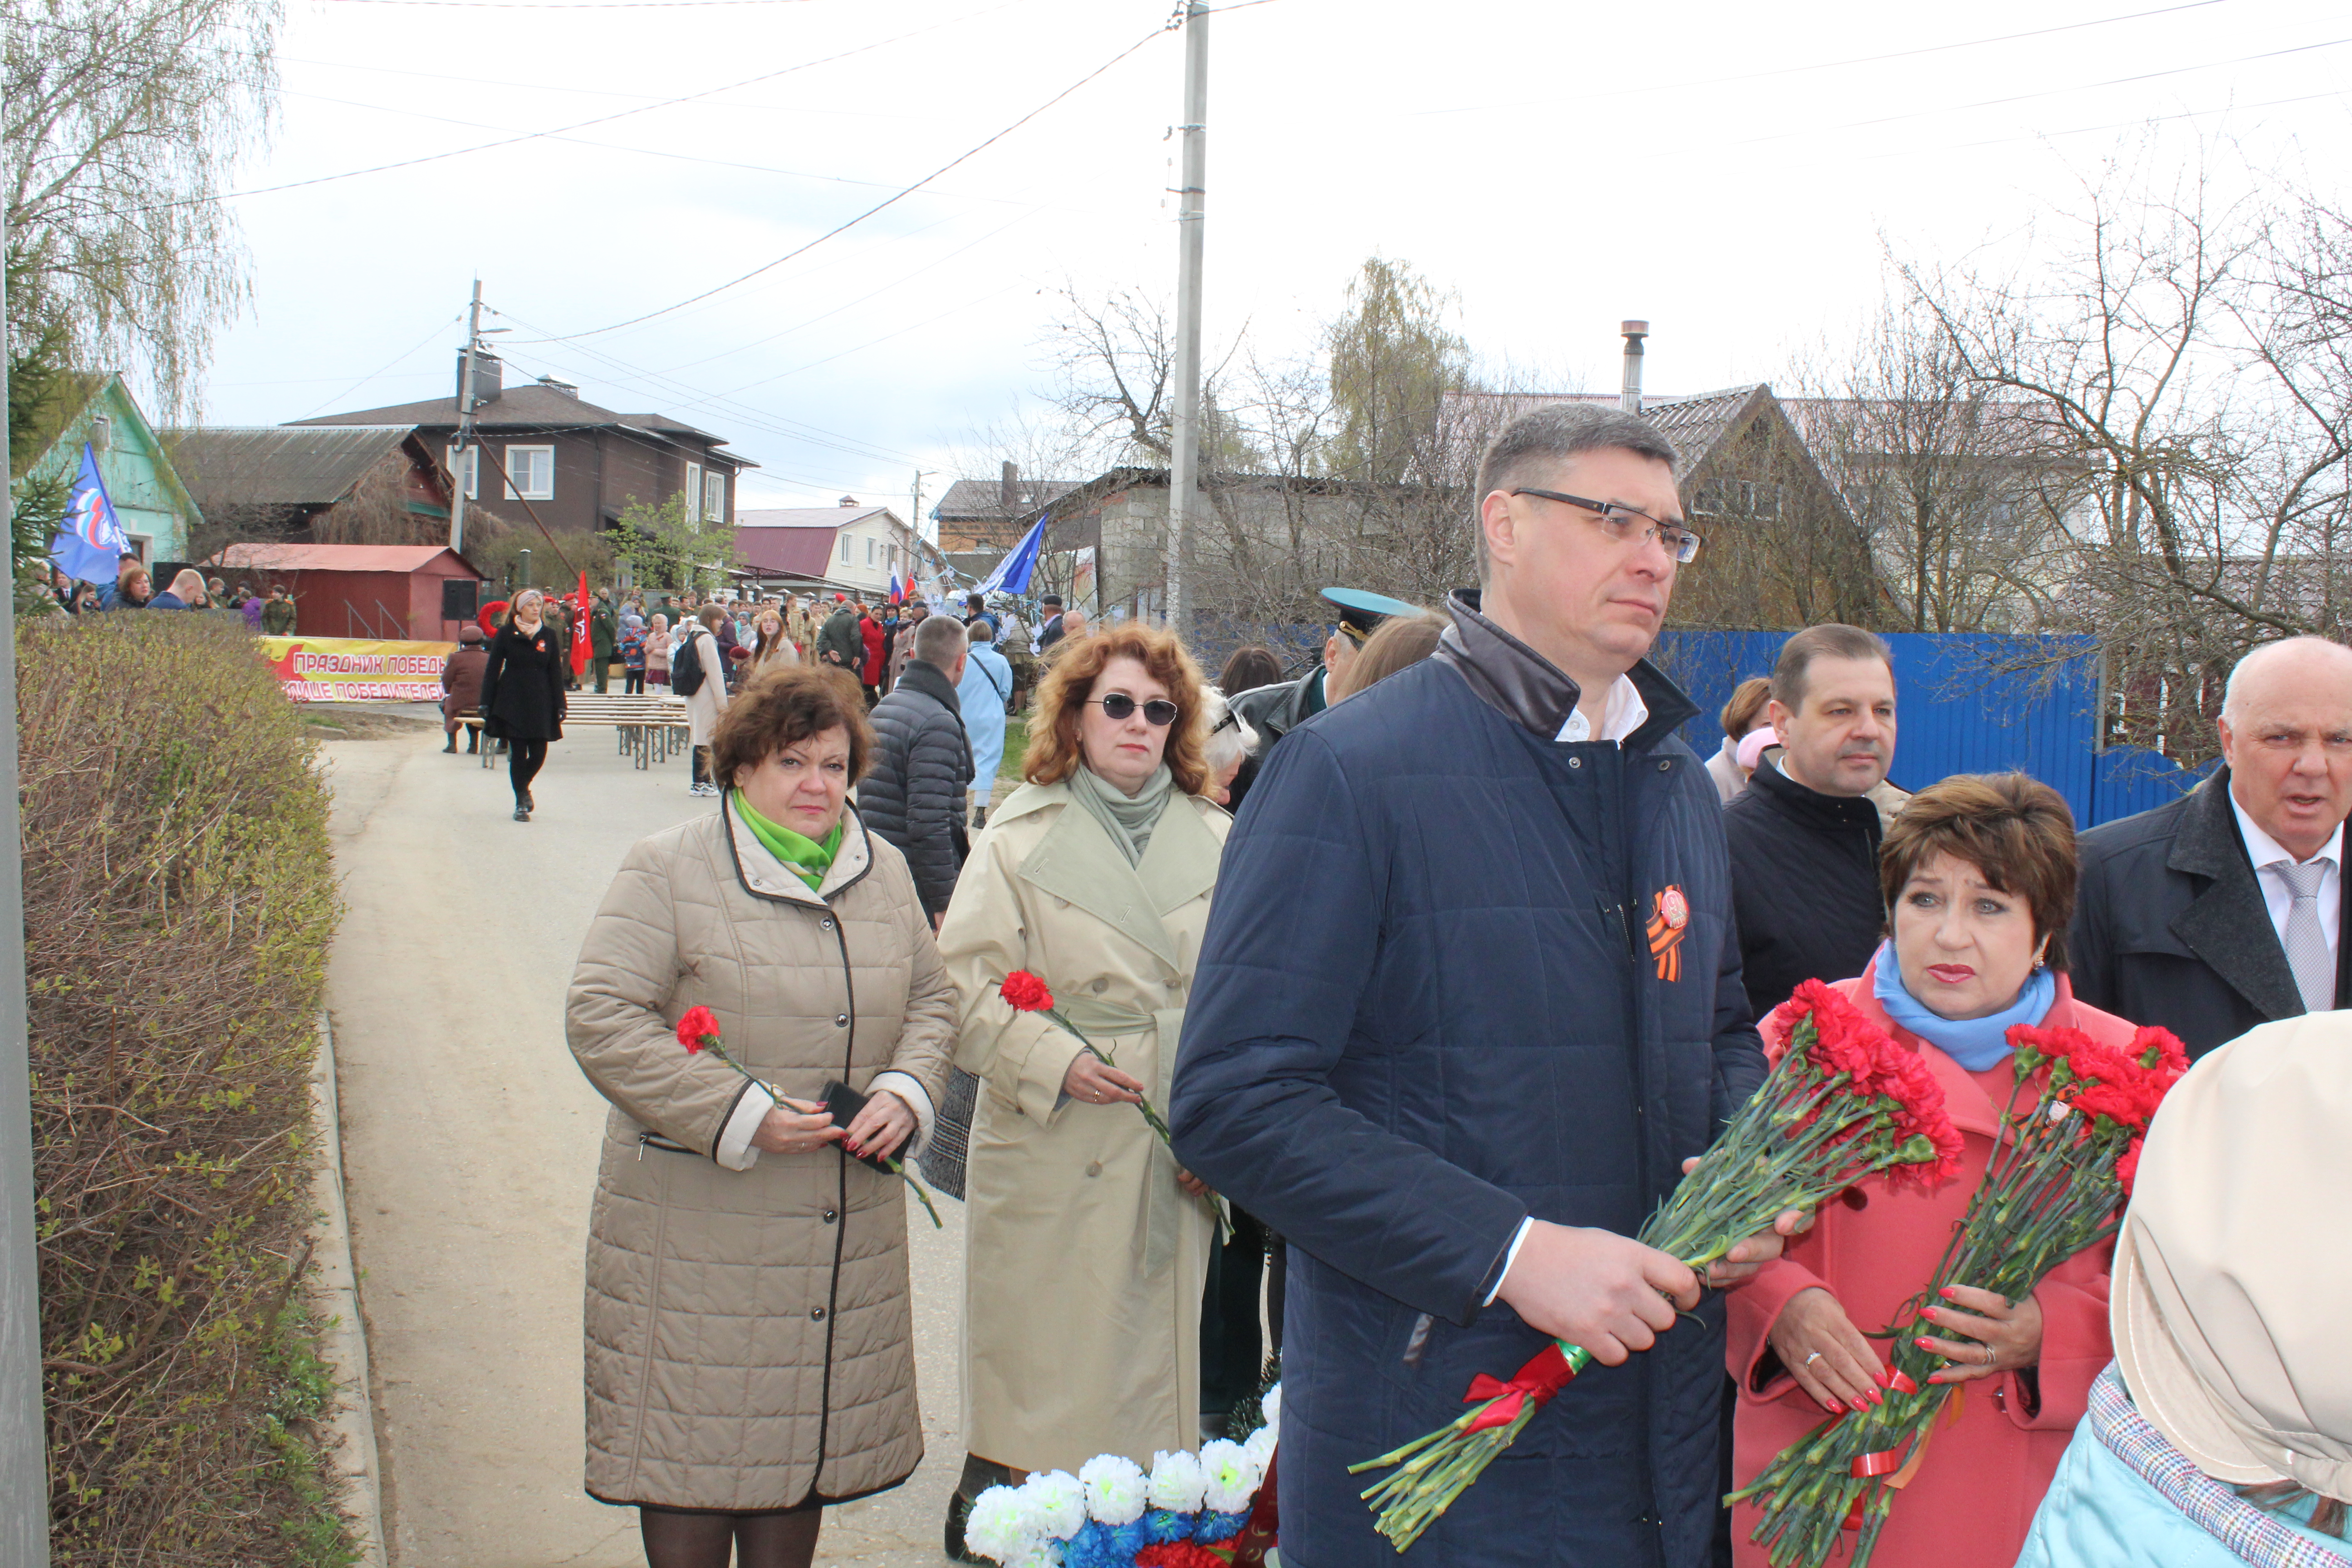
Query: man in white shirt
{"x":2225,"y":909}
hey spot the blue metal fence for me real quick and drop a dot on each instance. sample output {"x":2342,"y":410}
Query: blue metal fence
{"x":1969,"y":705}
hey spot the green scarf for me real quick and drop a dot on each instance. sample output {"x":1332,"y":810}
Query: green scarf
{"x":1128,"y":819}
{"x":804,"y":857}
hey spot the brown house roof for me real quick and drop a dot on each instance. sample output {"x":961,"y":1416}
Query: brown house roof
{"x":529,"y":406}
{"x":985,"y":497}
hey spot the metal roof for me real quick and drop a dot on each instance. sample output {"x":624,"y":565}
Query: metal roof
{"x":277,"y":465}
{"x":335,"y":557}
{"x":830,"y":517}
{"x":529,"y":406}
{"x":799,"y":551}
{"x":985,"y":497}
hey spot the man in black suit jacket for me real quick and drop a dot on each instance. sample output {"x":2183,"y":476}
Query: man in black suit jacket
{"x":2226,"y":909}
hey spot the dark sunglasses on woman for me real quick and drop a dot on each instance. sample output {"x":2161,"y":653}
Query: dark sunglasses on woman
{"x":1119,"y":707}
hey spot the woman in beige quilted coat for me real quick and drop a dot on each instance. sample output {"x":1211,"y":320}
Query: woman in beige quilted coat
{"x":1087,"y":1245}
{"x":748,"y":1354}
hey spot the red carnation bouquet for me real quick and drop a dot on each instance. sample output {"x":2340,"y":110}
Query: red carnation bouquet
{"x":1026,"y":993}
{"x":1843,"y":1102}
{"x":2055,"y":1187}
{"x":698,"y":1031}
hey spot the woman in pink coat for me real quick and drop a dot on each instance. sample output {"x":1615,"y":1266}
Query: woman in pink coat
{"x":1978,"y":877}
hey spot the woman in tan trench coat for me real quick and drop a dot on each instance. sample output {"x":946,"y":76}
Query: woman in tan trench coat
{"x":748,"y":1354}
{"x":1087,"y":1245}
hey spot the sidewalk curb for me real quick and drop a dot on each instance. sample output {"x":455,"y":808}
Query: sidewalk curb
{"x":343,"y":1341}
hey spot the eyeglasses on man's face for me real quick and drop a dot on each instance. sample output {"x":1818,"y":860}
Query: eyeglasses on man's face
{"x":1629,"y":526}
{"x":1118,"y":707}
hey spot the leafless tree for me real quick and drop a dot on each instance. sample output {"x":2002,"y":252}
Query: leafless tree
{"x":1942,"y":478}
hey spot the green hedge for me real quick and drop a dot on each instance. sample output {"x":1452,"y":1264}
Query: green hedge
{"x":179,"y":902}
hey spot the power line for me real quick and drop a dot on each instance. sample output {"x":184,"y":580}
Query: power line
{"x":387,"y":364}
{"x":581,"y":124}
{"x":960,"y":158}
{"x":2016,"y":98}
{"x":1830,"y":65}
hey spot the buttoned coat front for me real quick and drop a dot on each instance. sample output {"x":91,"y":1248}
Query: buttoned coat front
{"x":1085,"y":1259}
{"x":748,"y":1332}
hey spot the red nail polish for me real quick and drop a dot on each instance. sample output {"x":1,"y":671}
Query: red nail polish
{"x":1945,"y":1292}
{"x":1883,"y":1378}
{"x":1833,"y":1405}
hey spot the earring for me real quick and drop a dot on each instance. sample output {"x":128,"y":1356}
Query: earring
{"x":2038,"y":963}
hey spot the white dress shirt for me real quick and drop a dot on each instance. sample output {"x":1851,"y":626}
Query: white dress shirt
{"x":1623,"y":713}
{"x":2268,"y":853}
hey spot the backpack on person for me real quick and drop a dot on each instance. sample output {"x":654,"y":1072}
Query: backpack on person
{"x":685,"y":679}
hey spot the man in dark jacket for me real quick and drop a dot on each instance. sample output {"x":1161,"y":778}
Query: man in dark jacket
{"x":914,"y":793}
{"x":1274,"y":710}
{"x":604,"y":637}
{"x":2227,"y":909}
{"x":1049,"y":628}
{"x":1468,"y":998}
{"x":838,"y":642}
{"x":1804,"y":834}
{"x":461,"y":687}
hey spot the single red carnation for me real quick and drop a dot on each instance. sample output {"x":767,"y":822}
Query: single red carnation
{"x":2128,"y":1168}
{"x":1025,"y":992}
{"x":698,"y":1028}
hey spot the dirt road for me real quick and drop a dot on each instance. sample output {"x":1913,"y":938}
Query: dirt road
{"x":471,"y":1148}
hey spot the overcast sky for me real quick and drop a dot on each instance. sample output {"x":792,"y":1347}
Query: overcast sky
{"x":1725,"y":169}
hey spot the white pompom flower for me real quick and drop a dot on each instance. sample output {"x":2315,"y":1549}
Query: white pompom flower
{"x":998,"y":1525}
{"x":1176,"y":1483}
{"x":1036,"y":1553}
{"x":1057,"y":1505}
{"x":1231,"y":1479}
{"x":1271,"y":1403}
{"x":1260,"y":1448}
{"x":1117,"y":1489}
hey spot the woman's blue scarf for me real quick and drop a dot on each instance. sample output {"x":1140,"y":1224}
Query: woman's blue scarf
{"x":1975,"y":1042}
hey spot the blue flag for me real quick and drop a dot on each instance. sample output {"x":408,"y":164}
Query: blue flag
{"x":1012,"y":573}
{"x":91,"y":543}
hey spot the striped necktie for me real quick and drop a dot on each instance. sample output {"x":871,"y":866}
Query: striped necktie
{"x":2305,"y":940}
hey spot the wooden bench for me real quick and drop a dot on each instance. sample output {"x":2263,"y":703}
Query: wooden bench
{"x":647,"y":729}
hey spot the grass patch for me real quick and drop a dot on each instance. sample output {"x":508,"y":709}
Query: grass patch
{"x":179,"y":902}
{"x":1016,"y":746}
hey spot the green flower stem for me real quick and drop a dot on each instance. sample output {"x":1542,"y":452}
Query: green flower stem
{"x":897,"y":1167}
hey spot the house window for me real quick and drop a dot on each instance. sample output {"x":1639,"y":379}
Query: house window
{"x":694,"y":493}
{"x":844,"y":550}
{"x":465,"y":470}
{"x":714,"y":497}
{"x":869,"y":553}
{"x":530,"y":473}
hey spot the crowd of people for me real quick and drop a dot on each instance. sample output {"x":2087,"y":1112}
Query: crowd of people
{"x":1437,"y":1013}
{"x":133,"y":588}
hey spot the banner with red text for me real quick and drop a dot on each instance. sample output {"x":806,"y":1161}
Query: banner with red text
{"x":357,"y":669}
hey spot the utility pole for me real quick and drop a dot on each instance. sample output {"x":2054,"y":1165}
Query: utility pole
{"x":1184,"y":439}
{"x":465,"y":424}
{"x":24,"y":1445}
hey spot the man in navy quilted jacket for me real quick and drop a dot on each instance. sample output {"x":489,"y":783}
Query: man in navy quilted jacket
{"x":1470,"y":997}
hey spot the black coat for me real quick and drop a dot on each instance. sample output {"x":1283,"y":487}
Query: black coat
{"x":2170,"y":927}
{"x":913,"y":795}
{"x":522,"y":684}
{"x":1424,"y":1010}
{"x":1272,"y":712}
{"x":1804,"y":881}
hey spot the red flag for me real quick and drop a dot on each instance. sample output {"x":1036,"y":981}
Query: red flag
{"x":579,"y":630}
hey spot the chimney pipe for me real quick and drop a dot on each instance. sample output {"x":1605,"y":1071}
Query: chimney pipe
{"x":1630,"y":397}
{"x":1008,"y":488}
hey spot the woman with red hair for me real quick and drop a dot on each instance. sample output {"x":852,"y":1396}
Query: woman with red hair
{"x":1088,"y":1243}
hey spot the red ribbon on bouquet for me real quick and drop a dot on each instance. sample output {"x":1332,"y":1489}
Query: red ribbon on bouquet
{"x":1545,"y":1374}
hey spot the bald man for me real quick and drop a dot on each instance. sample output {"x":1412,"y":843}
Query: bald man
{"x":2226,"y":909}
